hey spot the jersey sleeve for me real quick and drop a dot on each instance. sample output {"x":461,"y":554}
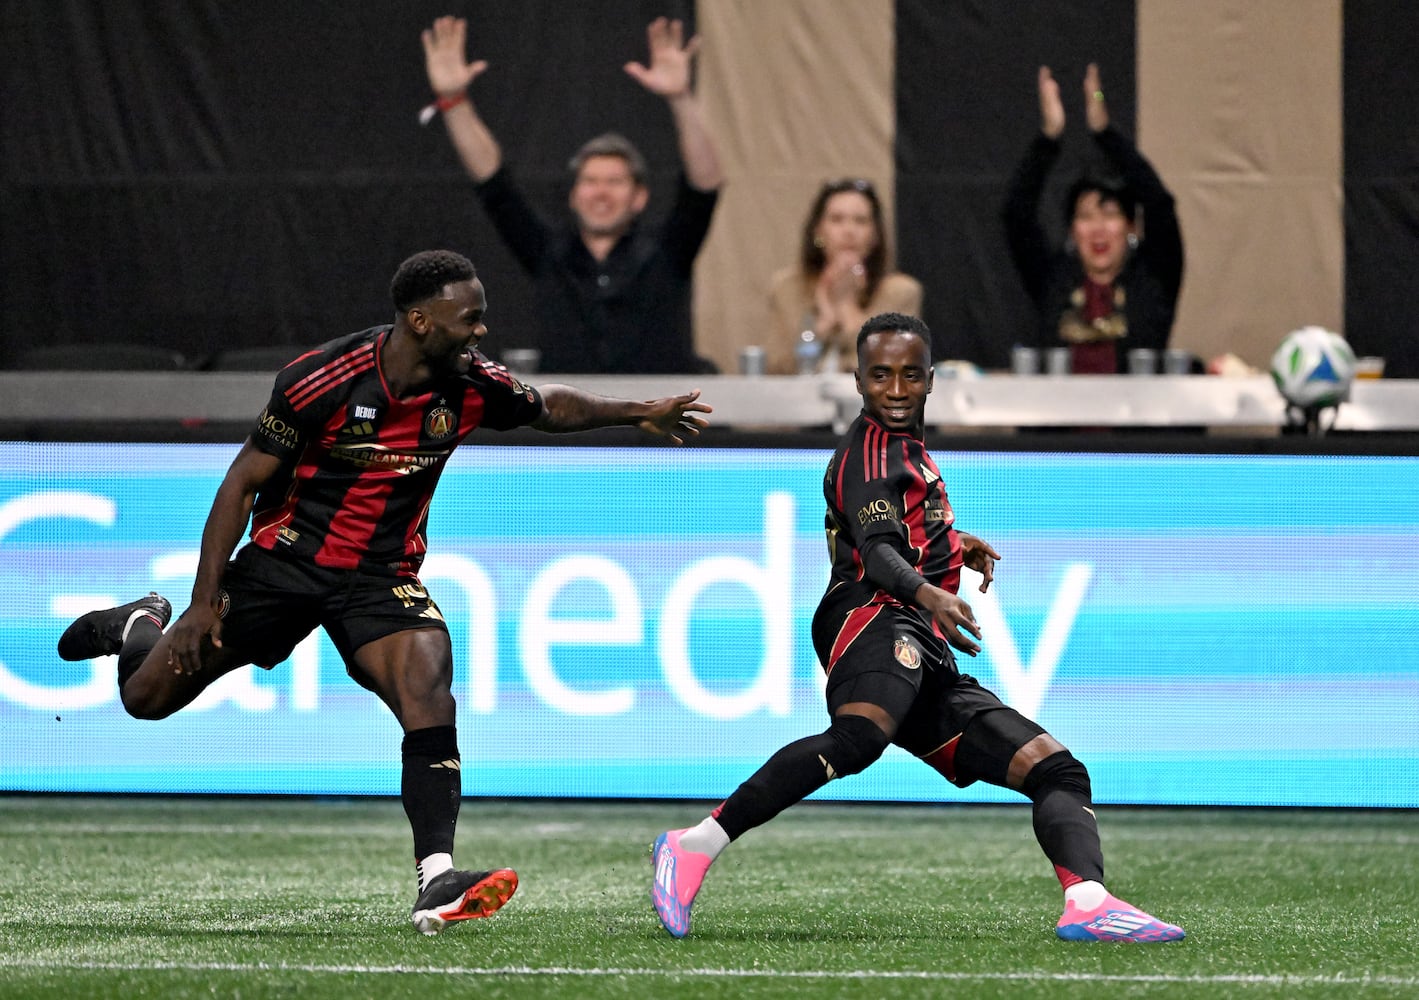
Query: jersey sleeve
{"x":282,"y":430}
{"x":507,"y":401}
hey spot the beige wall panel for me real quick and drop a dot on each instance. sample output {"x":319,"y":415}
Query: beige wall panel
{"x":1239,"y":108}
{"x":797,"y":92}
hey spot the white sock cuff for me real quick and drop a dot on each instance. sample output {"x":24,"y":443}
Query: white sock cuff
{"x":1086,"y":895}
{"x":706,"y":838}
{"x":432,"y":867}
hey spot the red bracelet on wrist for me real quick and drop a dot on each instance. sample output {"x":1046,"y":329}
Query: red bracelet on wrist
{"x":440,"y":103}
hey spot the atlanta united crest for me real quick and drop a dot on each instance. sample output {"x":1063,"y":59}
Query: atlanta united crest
{"x":440,"y":423}
{"x":907,"y":654}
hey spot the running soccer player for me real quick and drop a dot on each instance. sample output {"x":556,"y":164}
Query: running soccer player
{"x":336,"y":478}
{"x":883,"y":632}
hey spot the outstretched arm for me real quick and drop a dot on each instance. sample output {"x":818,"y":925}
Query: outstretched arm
{"x":566,"y":408}
{"x":670,"y":75}
{"x":449,"y":78}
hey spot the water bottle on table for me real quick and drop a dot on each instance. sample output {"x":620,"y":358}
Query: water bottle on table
{"x":808,"y":352}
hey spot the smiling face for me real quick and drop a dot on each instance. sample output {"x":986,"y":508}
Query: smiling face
{"x":1100,"y":230}
{"x":894,"y":377}
{"x":452,"y":326}
{"x":605,"y":197}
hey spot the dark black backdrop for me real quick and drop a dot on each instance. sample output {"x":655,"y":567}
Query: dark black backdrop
{"x":205,"y":174}
{"x":967,"y":106}
{"x":1382,"y":182}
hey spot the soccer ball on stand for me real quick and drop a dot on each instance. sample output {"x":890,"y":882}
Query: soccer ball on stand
{"x":1313,"y":369}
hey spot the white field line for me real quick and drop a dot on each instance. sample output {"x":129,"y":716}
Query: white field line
{"x":1340,"y":979}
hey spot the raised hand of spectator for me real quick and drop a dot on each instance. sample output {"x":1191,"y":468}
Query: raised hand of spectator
{"x":671,"y":59}
{"x":1051,"y":107}
{"x":1096,"y":109}
{"x":449,"y":73}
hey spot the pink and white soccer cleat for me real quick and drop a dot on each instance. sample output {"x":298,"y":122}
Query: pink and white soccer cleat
{"x":1114,"y":920}
{"x":678,"y":876}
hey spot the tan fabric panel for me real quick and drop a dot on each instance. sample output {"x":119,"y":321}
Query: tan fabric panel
{"x":1239,"y":108}
{"x":795,"y":98}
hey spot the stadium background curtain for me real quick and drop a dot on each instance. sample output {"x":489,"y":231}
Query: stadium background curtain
{"x":202,"y":175}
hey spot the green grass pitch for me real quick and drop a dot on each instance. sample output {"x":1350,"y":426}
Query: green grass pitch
{"x":134,"y":897}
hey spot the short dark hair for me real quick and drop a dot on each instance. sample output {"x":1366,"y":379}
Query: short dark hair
{"x":424,"y":275}
{"x":1109,"y":189}
{"x":893,"y":322}
{"x":610,"y":144}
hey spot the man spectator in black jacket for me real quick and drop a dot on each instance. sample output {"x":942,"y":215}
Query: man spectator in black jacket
{"x":614,"y":295}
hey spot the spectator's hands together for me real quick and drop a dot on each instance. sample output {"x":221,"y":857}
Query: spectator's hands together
{"x":844,"y":277}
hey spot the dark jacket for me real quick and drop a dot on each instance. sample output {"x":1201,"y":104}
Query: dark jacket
{"x":1151,"y":276}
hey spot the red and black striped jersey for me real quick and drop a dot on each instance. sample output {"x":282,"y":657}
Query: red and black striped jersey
{"x":360,"y":465}
{"x":883,"y":482}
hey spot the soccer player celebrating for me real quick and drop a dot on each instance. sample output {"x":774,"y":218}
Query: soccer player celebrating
{"x":336,"y":478}
{"x":883,"y":632}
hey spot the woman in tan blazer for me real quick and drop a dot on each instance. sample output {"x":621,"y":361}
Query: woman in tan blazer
{"x":841,"y":279}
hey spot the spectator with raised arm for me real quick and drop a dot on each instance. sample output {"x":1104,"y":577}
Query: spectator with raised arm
{"x":613,"y":293}
{"x":1113,"y":284}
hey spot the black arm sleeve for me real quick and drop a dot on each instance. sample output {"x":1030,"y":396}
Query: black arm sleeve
{"x":520,"y":227}
{"x":687,"y":224}
{"x":1029,"y":247}
{"x":889,"y":569}
{"x":1162,"y":237}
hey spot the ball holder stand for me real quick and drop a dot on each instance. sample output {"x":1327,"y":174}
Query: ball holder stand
{"x":1308,"y":420}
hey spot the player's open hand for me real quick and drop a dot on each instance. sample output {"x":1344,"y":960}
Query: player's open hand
{"x":676,"y":416}
{"x":198,"y":626}
{"x":671,"y":58}
{"x":980,"y":557}
{"x":449,"y":74}
{"x":954,"y":615}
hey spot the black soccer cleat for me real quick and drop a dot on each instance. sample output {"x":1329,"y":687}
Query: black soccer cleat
{"x":457,"y":895}
{"x":101,"y":633}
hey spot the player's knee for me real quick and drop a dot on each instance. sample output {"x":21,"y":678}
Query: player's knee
{"x":1059,"y":771}
{"x":143,"y":702}
{"x":856,"y":742}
